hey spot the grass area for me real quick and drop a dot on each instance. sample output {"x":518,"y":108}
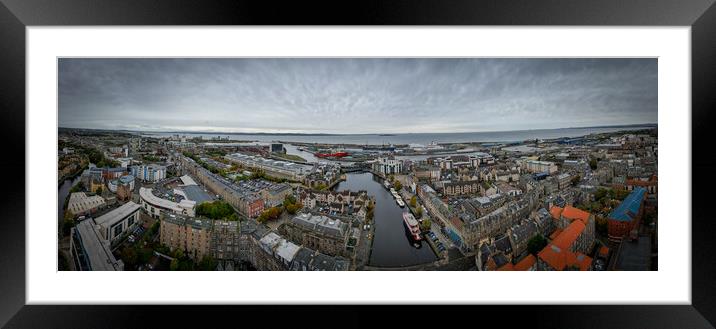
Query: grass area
{"x":291,"y":157}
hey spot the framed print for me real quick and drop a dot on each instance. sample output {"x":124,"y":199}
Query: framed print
{"x":421,"y":154}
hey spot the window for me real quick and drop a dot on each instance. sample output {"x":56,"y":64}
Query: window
{"x":117,"y":230}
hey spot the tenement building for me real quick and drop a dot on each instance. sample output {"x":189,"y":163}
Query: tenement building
{"x":190,"y":235}
{"x":320,"y":233}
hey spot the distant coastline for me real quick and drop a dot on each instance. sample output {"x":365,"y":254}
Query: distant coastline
{"x":397,"y":139}
{"x":159,"y":132}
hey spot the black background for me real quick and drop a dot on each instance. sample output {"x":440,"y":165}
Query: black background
{"x":700,"y":15}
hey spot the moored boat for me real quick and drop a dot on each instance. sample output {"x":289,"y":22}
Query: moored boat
{"x":411,"y":224}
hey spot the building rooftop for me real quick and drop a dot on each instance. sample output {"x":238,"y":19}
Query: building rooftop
{"x":196,"y":193}
{"x":286,"y":250}
{"x":526,"y":263}
{"x":117,"y":214}
{"x":319,"y":223}
{"x":187,"y":180}
{"x":629,"y":207}
{"x":570,"y":234}
{"x":98,"y":254}
{"x":147,"y":195}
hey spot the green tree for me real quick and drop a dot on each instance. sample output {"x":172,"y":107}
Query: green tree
{"x":80,"y":186}
{"x":207,"y":263}
{"x":575,"y":180}
{"x":413,"y":202}
{"x":425,"y":225}
{"x":601,"y":225}
{"x":68,"y":222}
{"x":129,"y":256}
{"x":601,"y":193}
{"x":593,"y":163}
{"x":419,"y":212}
{"x":536,"y":244}
{"x":293,"y":208}
{"x":143,"y":255}
{"x":289,"y":199}
{"x":215,"y":210}
{"x":272,"y":213}
{"x":621,"y":194}
{"x":398,"y":185}
{"x":174,"y":265}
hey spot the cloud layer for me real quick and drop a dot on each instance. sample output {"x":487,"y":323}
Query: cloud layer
{"x":355,"y":95}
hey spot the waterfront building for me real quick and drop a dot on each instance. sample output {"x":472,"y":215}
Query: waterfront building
{"x":344,"y":202}
{"x":277,"y":148}
{"x":320,"y":233}
{"x":388,"y":165}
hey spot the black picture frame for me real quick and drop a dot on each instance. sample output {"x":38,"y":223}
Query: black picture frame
{"x":16,"y":15}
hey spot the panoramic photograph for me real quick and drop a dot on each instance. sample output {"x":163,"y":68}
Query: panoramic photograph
{"x":357,"y":164}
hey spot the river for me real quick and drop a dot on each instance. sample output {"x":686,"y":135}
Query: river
{"x":391,"y":246}
{"x":62,"y":193}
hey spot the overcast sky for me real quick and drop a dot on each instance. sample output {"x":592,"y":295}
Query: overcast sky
{"x":355,"y":95}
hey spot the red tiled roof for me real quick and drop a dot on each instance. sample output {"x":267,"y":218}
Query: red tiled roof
{"x":506,"y":267}
{"x":569,"y":235}
{"x":526,"y":263}
{"x":583,"y":261}
{"x":559,"y":259}
{"x":555,"y":234}
{"x":573,"y":213}
{"x":604,"y":251}
{"x":556,"y":212}
{"x":558,"y":255}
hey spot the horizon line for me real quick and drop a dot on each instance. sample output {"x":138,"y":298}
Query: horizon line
{"x":353,"y":134}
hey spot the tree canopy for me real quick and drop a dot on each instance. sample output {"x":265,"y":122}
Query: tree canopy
{"x":272,"y":213}
{"x":536,"y":244}
{"x":425,"y":224}
{"x":216,"y":210}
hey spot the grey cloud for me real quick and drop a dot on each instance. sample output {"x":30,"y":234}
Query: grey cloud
{"x":355,"y":95}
